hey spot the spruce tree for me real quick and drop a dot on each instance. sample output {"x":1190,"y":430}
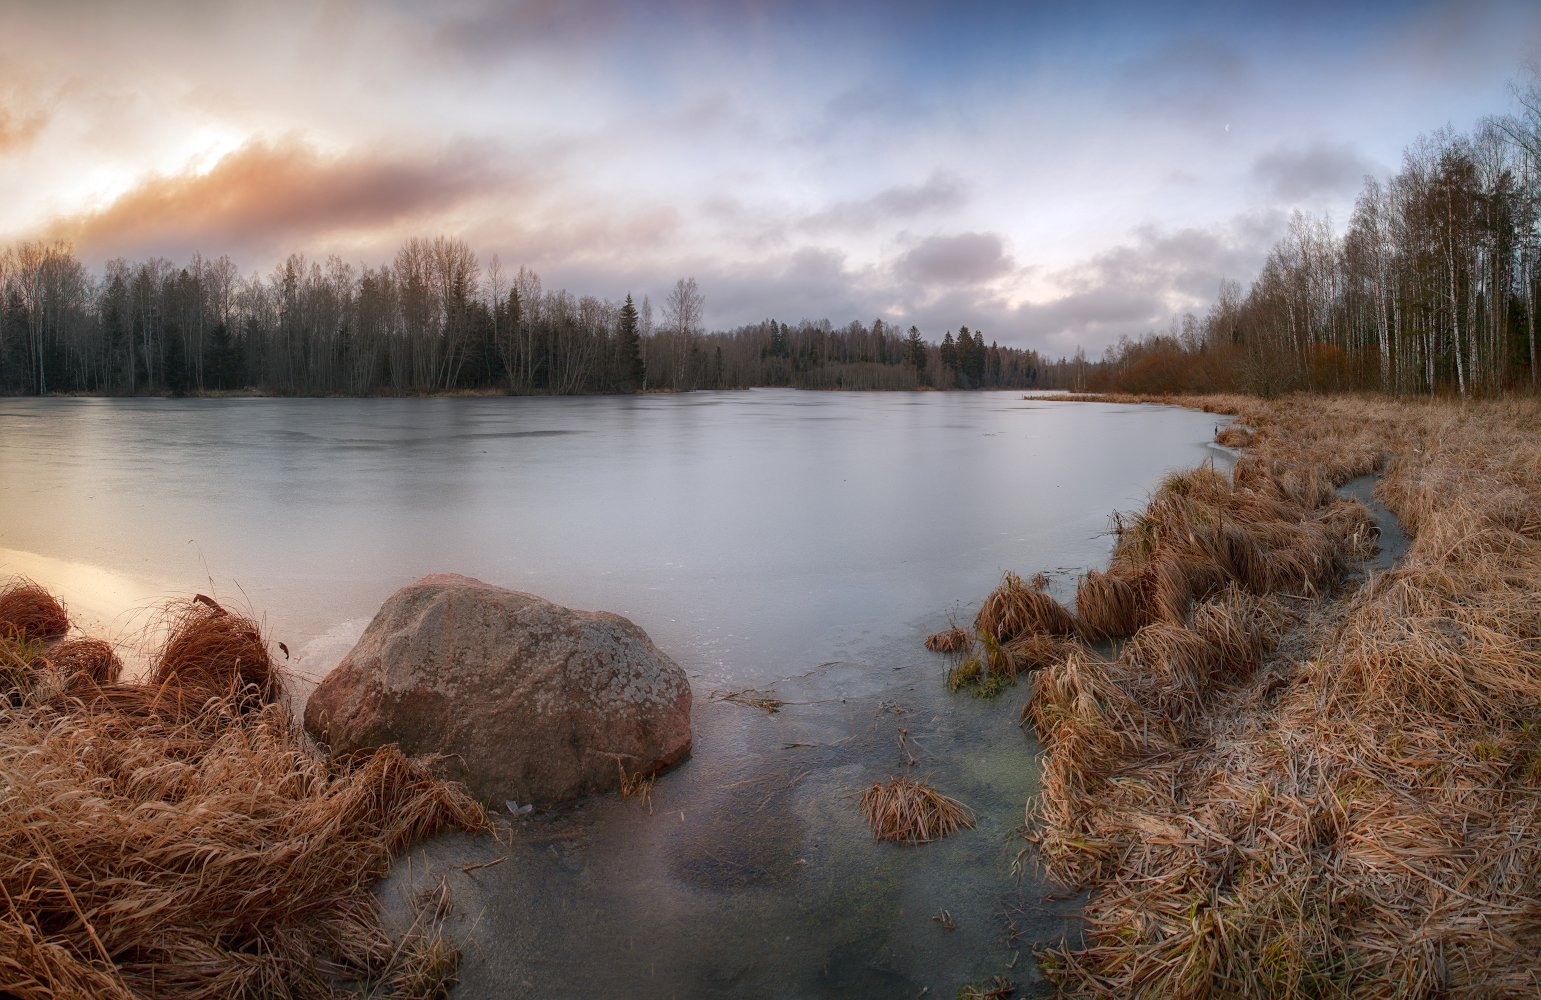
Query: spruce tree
{"x":915,"y":353}
{"x":630,"y":367}
{"x":949,"y":352}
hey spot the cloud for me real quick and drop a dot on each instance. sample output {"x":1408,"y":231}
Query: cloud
{"x":17,"y":133}
{"x":940,"y":192}
{"x":23,"y":113}
{"x":965,"y":259}
{"x":1193,"y":78}
{"x":1158,"y":258}
{"x":1321,"y":169}
{"x":269,"y":196}
{"x":1453,"y":41}
{"x":1140,"y":284}
{"x":493,"y":31}
{"x":1133,"y":287}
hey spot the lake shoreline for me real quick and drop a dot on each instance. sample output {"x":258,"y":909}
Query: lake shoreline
{"x":1234,"y":843}
{"x":473,"y":393}
{"x":660,"y":508}
{"x":1338,"y":817}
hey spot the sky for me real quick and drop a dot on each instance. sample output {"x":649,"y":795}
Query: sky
{"x":1053,"y":174}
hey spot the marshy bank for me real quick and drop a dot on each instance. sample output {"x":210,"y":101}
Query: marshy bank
{"x":1278,"y":787}
{"x":763,"y":522}
{"x":751,"y":871}
{"x":179,"y":837}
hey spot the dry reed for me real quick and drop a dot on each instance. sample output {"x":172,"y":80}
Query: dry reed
{"x":1034,"y":652}
{"x":1277,"y":796}
{"x":215,"y":652}
{"x":1106,"y":605}
{"x":1235,"y":436}
{"x":27,"y":610}
{"x":952,"y":640}
{"x":989,"y":666}
{"x":912,"y":812}
{"x":156,"y":845}
{"x":1015,"y":609}
{"x":86,"y":662}
{"x":994,"y":988}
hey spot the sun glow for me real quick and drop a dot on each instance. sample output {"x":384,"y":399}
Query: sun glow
{"x":209,"y":145}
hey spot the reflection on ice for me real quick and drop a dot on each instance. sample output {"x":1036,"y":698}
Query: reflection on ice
{"x":800,"y":543}
{"x":102,"y":602}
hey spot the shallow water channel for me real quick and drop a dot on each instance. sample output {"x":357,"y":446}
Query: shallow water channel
{"x":798,"y":544}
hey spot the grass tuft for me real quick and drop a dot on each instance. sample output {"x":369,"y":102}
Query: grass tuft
{"x":1015,"y":609}
{"x":912,"y":812}
{"x":85,"y":662}
{"x":1106,"y":605}
{"x":951,"y":640}
{"x":153,"y":845}
{"x":29,"y":611}
{"x":1282,"y":788}
{"x":216,"y":653}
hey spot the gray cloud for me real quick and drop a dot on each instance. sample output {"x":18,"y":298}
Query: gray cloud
{"x":17,"y":131}
{"x":1450,"y":41}
{"x":1193,"y":78}
{"x":1131,"y":288}
{"x":267,"y":198}
{"x":496,"y":30}
{"x":940,"y":192}
{"x":1139,"y":285}
{"x":1320,"y":169}
{"x":810,"y":282}
{"x":965,"y":259}
{"x":1178,"y":261}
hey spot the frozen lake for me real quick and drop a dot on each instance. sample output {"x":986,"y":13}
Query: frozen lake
{"x":801,"y":543}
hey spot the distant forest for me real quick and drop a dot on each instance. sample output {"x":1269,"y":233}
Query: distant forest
{"x":431,"y":321}
{"x":1431,"y":288}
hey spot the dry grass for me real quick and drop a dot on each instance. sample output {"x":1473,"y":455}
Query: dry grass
{"x":912,"y":812}
{"x":1019,"y":628}
{"x":1106,"y":605}
{"x":1014,"y":609}
{"x":1234,"y":436}
{"x":987,"y":667}
{"x":993,"y":988}
{"x":28,"y":611}
{"x":637,"y":784}
{"x":952,"y":640}
{"x":1267,"y":529}
{"x":1034,"y":652}
{"x":85,"y":662}
{"x":158,"y":845}
{"x":212,"y":651}
{"x":1329,"y":797}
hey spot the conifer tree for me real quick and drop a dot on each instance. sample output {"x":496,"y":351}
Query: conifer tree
{"x":630,"y":367}
{"x":949,"y":352}
{"x":915,"y":352}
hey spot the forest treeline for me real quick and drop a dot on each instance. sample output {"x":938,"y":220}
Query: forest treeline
{"x":432,"y":320}
{"x":1432,"y":286}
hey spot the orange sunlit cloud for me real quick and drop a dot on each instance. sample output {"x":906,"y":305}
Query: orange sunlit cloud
{"x":18,"y":131}
{"x":978,"y":163}
{"x":278,"y":195}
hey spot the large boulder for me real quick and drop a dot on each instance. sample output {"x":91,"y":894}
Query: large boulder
{"x":522,"y":698}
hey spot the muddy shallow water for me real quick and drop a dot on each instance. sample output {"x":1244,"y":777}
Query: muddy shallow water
{"x":751,"y":873}
{"x":798,"y":544}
